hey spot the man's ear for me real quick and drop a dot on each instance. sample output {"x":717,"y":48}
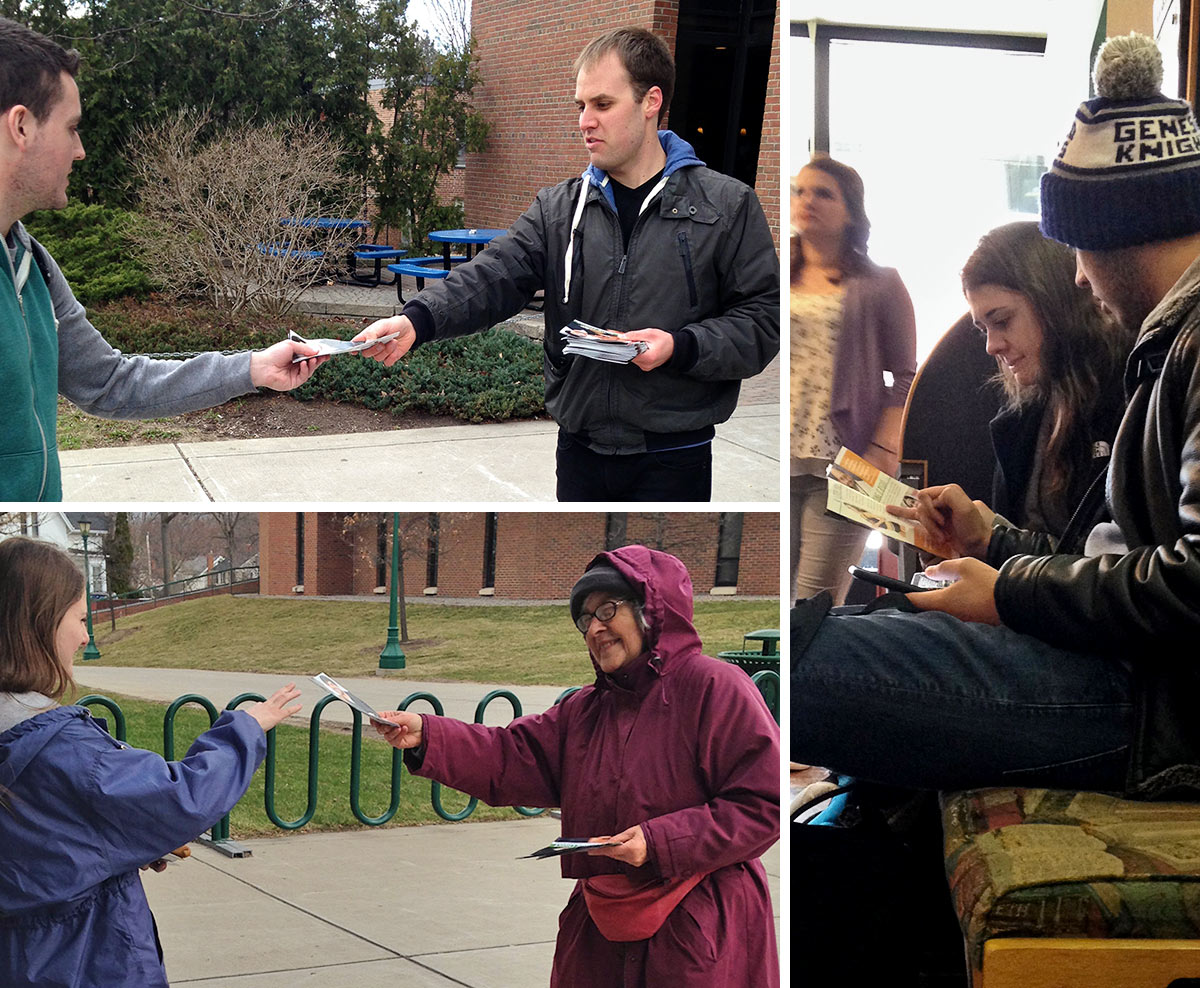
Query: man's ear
{"x":652,"y":102}
{"x":17,"y":124}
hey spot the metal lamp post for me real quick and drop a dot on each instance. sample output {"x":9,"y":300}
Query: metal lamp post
{"x":91,"y":651}
{"x":392,"y":656}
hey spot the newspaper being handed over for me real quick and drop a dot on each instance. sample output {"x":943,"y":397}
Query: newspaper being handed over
{"x":608,"y":345}
{"x":331,"y":685}
{"x":862,"y":493}
{"x":334,"y":347}
{"x":569,"y":845}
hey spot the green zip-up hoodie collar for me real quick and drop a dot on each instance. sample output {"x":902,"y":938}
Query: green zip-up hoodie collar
{"x":29,"y":469}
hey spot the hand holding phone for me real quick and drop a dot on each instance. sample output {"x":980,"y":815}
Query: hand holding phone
{"x":888,"y":582}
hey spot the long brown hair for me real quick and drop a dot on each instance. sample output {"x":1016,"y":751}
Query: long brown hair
{"x":854,"y":242}
{"x":38,"y":585}
{"x":1083,"y":350}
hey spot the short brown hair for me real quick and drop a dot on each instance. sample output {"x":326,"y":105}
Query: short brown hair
{"x":31,"y":68}
{"x":38,"y":585}
{"x":644,"y":55}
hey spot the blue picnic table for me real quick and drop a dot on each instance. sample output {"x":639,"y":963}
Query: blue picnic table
{"x":469,"y":239}
{"x":325,"y":223}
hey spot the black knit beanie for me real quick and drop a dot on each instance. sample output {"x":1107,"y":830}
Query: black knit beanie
{"x":601,"y":577}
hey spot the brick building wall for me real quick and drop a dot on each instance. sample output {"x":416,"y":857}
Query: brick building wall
{"x":277,"y":551}
{"x":526,"y":51}
{"x":766,"y":184}
{"x":537,"y":556}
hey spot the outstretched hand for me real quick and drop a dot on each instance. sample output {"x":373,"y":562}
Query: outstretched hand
{"x":957,"y":526}
{"x":631,"y":849}
{"x":273,"y":367}
{"x":972,"y":597}
{"x":405,"y":732}
{"x":388,"y":353}
{"x":276,"y":708}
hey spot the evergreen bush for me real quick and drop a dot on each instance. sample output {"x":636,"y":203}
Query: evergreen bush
{"x":90,"y":244}
{"x":484,"y":377}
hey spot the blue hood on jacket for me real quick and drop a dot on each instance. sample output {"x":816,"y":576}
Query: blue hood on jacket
{"x":680,"y":154}
{"x":20,"y":744}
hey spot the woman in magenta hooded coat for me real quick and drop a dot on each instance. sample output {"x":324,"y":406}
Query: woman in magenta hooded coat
{"x":671,"y":754}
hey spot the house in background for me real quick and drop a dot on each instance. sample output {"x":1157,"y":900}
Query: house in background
{"x":61,"y":528}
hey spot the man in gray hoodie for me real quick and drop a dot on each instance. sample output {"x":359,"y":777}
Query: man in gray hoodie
{"x":50,"y":346}
{"x":649,"y":242}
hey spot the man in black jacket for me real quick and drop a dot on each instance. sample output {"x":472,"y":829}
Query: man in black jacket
{"x":1067,"y":670}
{"x":649,"y":242}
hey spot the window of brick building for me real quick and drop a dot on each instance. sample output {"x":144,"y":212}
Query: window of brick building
{"x":729,"y":549}
{"x":489,"y":550}
{"x":299,"y":549}
{"x":431,"y":550}
{"x":381,"y":551}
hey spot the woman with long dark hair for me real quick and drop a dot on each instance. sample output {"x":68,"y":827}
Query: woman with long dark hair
{"x":853,"y":357}
{"x":1061,"y":361}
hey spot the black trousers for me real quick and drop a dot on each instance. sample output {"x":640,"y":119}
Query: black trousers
{"x":658,"y":475}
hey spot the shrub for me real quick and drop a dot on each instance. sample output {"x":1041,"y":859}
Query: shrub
{"x":91,"y":244}
{"x":485,"y":377}
{"x":213,"y":200}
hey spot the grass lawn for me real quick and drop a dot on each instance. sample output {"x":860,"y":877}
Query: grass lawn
{"x":78,"y":430}
{"x":144,"y":727}
{"x":488,"y":644}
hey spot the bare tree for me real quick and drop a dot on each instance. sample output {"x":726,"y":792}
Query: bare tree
{"x":451,"y":27}
{"x":212,"y":205}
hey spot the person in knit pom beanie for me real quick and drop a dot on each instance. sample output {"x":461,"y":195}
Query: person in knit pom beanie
{"x":1057,"y":664}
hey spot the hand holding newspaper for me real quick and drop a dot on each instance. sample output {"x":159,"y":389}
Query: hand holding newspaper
{"x":608,"y":345}
{"x":331,"y":685}
{"x":568,"y":845}
{"x":862,"y":493}
{"x":335,"y":347}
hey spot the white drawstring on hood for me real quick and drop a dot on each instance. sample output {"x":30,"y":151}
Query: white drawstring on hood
{"x":583,"y":194}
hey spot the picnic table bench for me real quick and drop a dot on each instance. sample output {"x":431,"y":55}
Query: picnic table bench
{"x":421,"y":268}
{"x":378,"y":253}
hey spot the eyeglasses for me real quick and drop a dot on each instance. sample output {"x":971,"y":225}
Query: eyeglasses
{"x":605,"y":612}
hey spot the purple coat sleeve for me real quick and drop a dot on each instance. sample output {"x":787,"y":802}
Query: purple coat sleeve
{"x":515,"y":765}
{"x":739,"y":754}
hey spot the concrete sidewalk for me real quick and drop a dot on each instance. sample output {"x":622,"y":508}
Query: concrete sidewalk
{"x":426,"y":907}
{"x":509,"y":461}
{"x":435,"y":906}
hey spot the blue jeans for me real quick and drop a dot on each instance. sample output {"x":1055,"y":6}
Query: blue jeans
{"x":931,"y":702}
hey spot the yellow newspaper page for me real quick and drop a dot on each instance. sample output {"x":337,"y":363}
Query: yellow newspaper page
{"x":861,"y":492}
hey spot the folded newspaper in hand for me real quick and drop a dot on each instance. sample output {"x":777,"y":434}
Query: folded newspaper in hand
{"x":332,"y":348}
{"x":600,"y":344}
{"x":568,"y":845}
{"x":862,"y":493}
{"x":337,"y":689}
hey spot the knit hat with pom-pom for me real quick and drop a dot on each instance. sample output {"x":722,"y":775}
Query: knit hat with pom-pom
{"x":1129,"y":171}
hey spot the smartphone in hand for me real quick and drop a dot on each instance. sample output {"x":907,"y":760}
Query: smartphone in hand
{"x":887,"y":582}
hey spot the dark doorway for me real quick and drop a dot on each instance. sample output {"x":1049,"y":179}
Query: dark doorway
{"x":722,"y":60}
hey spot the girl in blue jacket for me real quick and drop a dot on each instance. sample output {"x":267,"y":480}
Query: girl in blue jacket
{"x":80,"y":812}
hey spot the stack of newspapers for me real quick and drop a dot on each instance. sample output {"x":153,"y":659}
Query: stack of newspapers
{"x":599,"y":344}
